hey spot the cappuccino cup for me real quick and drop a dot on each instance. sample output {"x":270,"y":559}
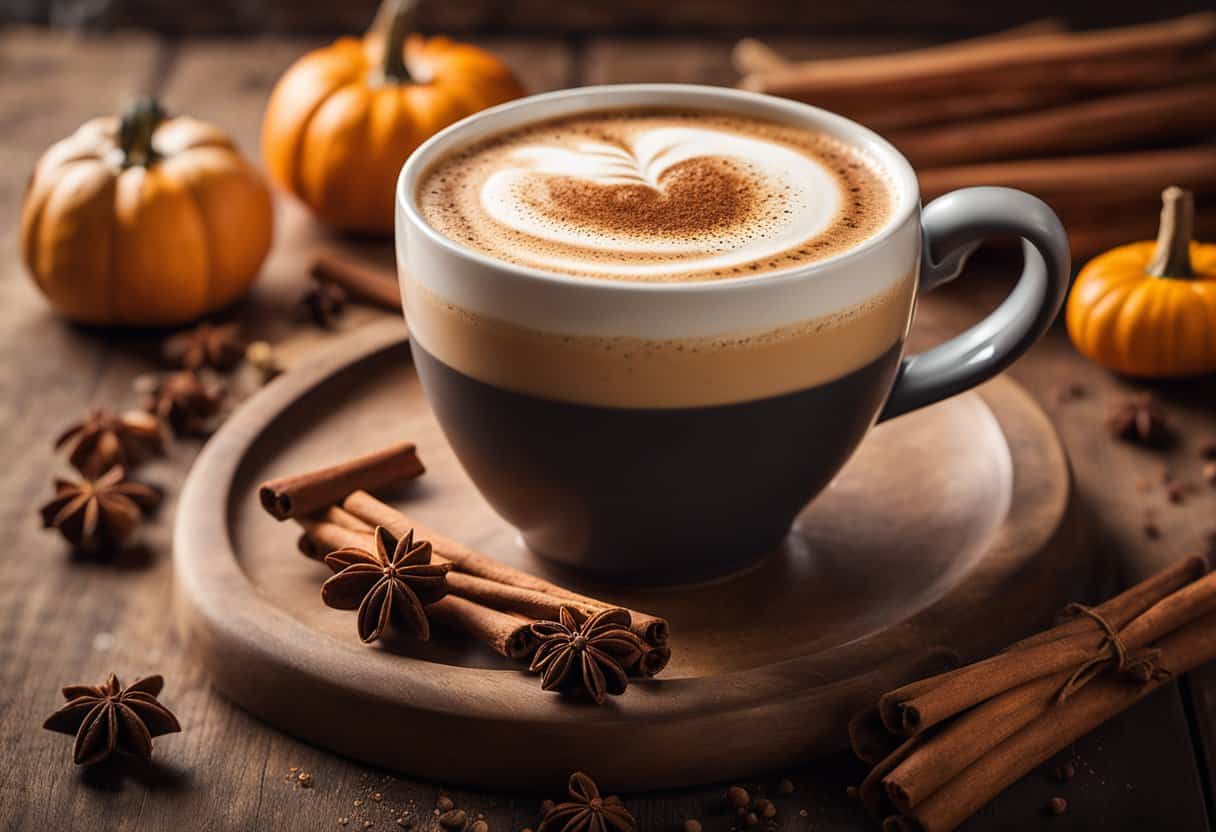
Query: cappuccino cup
{"x":654,"y":321}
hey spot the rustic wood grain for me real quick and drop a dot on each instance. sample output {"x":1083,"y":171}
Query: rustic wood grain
{"x":67,"y":620}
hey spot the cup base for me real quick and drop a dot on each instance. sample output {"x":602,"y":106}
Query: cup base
{"x":713,"y":568}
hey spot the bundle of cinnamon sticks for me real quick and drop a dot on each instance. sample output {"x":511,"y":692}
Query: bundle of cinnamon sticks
{"x":1094,"y":122}
{"x":944,"y":746}
{"x":488,"y":601}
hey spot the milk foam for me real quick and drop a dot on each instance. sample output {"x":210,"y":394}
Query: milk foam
{"x":657,"y":195}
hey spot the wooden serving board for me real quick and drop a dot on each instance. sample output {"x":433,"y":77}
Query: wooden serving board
{"x":951,"y":526}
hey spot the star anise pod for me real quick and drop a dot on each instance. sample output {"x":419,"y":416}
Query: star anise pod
{"x":323,"y":303}
{"x":185,"y":403}
{"x":586,"y":811}
{"x":592,"y":656}
{"x":98,"y":514}
{"x":390,"y":586}
{"x":207,"y":345}
{"x":108,"y":717}
{"x":1139,"y":419}
{"x":103,"y":439}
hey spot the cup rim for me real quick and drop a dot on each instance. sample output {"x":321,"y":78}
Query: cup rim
{"x":893,"y":162}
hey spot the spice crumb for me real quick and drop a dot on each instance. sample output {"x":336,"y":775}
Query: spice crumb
{"x":1065,"y":772}
{"x":802,"y":813}
{"x":1057,"y":806}
{"x":377,"y":796}
{"x":304,"y":779}
{"x":785,"y":787}
{"x":343,"y":821}
{"x":1151,"y":530}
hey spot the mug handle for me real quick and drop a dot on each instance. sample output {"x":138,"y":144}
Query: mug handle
{"x":954,"y":227}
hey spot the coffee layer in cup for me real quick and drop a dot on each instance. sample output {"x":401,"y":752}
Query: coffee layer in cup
{"x":657,"y":195}
{"x":637,"y":372}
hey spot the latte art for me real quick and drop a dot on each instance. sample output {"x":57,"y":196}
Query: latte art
{"x":655,"y":195}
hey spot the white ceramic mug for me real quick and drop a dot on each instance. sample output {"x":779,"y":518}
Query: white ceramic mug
{"x":696,"y":476}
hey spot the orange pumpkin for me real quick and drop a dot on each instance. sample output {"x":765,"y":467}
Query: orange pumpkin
{"x":343,"y":119}
{"x":1149,"y":309}
{"x":144,"y":220}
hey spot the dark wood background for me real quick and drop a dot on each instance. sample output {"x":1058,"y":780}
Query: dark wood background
{"x":64,"y":619}
{"x":637,"y":17}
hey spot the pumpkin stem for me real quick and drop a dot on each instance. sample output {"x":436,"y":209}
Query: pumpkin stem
{"x":139,"y":121}
{"x":1172,"y":256}
{"x":395,"y":20}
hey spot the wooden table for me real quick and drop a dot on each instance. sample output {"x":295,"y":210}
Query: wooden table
{"x":66,"y":620}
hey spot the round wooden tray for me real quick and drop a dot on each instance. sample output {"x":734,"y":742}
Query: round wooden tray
{"x":951,"y":526}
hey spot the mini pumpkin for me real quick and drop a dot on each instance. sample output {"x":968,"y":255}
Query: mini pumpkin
{"x":343,"y":119}
{"x":144,"y":220}
{"x":1149,"y":309}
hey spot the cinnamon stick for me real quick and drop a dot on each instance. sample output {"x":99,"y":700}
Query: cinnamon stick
{"x":984,"y":727}
{"x":1049,"y":58}
{"x":1085,"y":126}
{"x":1179,"y":652}
{"x":750,"y":56}
{"x":1118,"y":177}
{"x":652,"y":629}
{"x":507,"y":634}
{"x":922,"y":704}
{"x":300,"y":494}
{"x":325,"y":535}
{"x":1089,"y":236}
{"x":364,"y":282}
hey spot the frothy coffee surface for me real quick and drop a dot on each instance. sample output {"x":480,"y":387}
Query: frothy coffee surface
{"x":657,"y":195}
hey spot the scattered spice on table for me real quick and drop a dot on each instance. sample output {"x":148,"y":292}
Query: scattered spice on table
{"x":1065,"y":771}
{"x":102,"y":439}
{"x":389,"y":587}
{"x":186,"y":403}
{"x":219,"y":347}
{"x":454,"y":819}
{"x":108,"y":719}
{"x":590,"y":657}
{"x":263,"y":358}
{"x":1057,"y":806}
{"x":1141,"y":420}
{"x":1070,"y":392}
{"x":323,"y":303}
{"x":98,"y":514}
{"x":587,"y":810}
